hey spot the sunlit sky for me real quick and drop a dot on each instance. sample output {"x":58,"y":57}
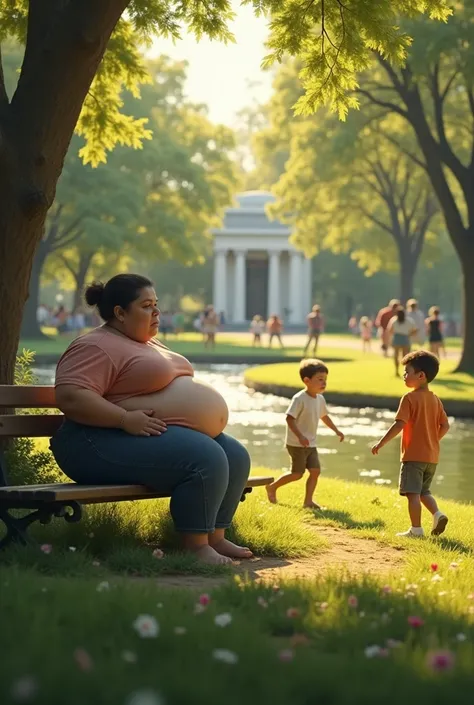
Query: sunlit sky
{"x":225,"y":77}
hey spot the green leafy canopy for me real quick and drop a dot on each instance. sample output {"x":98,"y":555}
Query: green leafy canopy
{"x":334,"y":40}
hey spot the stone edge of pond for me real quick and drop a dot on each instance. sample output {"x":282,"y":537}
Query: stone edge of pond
{"x":461,"y":409}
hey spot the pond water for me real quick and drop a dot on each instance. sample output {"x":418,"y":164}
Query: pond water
{"x":258,"y":421}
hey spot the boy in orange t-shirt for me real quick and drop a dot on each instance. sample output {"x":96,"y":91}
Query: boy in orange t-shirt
{"x":423,"y":422}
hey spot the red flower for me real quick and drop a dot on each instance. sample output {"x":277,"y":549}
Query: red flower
{"x":442,"y":660}
{"x":434,"y":567}
{"x":415,"y":622}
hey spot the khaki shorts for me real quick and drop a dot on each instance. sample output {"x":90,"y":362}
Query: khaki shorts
{"x":303,"y":458}
{"x":416,"y":478}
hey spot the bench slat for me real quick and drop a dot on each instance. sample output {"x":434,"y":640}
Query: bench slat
{"x":90,"y":494}
{"x":30,"y":425}
{"x":27,"y":397}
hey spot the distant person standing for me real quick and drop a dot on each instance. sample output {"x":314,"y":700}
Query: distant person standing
{"x":418,"y":318}
{"x":257,"y":327}
{"x":366,"y":325}
{"x":166,"y":323}
{"x":275,"y":328}
{"x":178,"y":322}
{"x":315,"y":321}
{"x":434,"y":329}
{"x":384,"y":317}
{"x":210,"y":324}
{"x":400,"y":329}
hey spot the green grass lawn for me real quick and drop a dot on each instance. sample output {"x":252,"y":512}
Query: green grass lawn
{"x":191,"y":343}
{"x":337,"y":638}
{"x":369,"y":375}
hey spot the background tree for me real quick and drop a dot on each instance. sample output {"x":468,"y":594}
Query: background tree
{"x":346,"y":188}
{"x":67,"y":78}
{"x":160,"y":201}
{"x":434,"y":95}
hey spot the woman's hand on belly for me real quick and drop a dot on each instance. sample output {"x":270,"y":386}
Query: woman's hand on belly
{"x":143,"y":423}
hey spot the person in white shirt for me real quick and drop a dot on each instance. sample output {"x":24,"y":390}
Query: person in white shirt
{"x":302,"y":418}
{"x":257,"y":327}
{"x":401,"y":330}
{"x":418,"y":318}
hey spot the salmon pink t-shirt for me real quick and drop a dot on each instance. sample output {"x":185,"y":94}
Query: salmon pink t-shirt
{"x":117,"y":367}
{"x":423,"y":414}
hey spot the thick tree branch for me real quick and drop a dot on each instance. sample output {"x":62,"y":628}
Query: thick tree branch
{"x":449,"y":157}
{"x":370,"y":216}
{"x":393,"y":107}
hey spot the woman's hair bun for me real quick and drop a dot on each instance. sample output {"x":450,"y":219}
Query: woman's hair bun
{"x":94,"y":293}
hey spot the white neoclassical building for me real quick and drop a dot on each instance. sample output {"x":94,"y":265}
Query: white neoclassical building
{"x":256,"y":269}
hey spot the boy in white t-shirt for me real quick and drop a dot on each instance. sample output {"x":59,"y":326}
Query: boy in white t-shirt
{"x":302,"y":418}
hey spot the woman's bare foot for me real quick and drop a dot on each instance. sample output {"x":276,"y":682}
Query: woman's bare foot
{"x":311,"y":505}
{"x":227,"y":548}
{"x":271,"y":493}
{"x":209,"y":555}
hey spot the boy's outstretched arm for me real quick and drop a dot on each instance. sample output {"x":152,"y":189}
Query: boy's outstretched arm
{"x":330,"y":424}
{"x":392,"y":433}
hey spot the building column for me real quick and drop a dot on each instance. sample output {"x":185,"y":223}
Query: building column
{"x":296,"y":287}
{"x":220,"y":282}
{"x":274,"y":283}
{"x":240,"y":287}
{"x":307,"y":285}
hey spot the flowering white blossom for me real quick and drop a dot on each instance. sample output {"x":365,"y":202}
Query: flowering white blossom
{"x":103,"y":586}
{"x":24,"y":689}
{"x":223,"y":620}
{"x":129,"y":656}
{"x":180,"y":631}
{"x":146,"y":626}
{"x":225,"y":656}
{"x":461,"y":637}
{"x":372,"y":651}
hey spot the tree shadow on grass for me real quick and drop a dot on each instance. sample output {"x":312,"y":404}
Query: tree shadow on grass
{"x":453,"y":545}
{"x":345,"y":519}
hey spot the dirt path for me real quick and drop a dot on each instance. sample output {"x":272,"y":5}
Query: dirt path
{"x":345,"y":552}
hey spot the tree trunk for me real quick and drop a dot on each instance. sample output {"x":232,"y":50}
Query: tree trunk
{"x":29,"y":327}
{"x":466,"y":363}
{"x":85,"y":260}
{"x":18,"y":239}
{"x":408,"y":267}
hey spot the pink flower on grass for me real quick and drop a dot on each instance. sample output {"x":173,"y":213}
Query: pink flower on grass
{"x":204,"y":599}
{"x":292,"y":613}
{"x":386,"y":589}
{"x":434,"y":567}
{"x":415,"y":622}
{"x":83,"y":660}
{"x":158,"y":553}
{"x":440,"y":661}
{"x":46,"y":548}
{"x":286,"y":655}
{"x":352,"y":601}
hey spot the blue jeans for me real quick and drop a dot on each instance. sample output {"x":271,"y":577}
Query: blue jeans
{"x":205,"y":477}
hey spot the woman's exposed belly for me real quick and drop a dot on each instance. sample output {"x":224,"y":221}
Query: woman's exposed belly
{"x":185,"y":402}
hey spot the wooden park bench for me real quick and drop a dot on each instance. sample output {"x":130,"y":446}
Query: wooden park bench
{"x":57,"y":499}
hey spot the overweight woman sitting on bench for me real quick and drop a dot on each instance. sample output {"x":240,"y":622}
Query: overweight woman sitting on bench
{"x":135,"y":414}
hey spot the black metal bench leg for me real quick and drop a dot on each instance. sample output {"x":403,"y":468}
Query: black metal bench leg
{"x":18,"y":526}
{"x":246,"y":491}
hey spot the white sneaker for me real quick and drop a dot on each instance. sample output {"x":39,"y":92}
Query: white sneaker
{"x":439,"y":525}
{"x":411,"y":534}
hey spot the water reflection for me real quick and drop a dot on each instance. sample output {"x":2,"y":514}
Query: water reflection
{"x":258,"y":421}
